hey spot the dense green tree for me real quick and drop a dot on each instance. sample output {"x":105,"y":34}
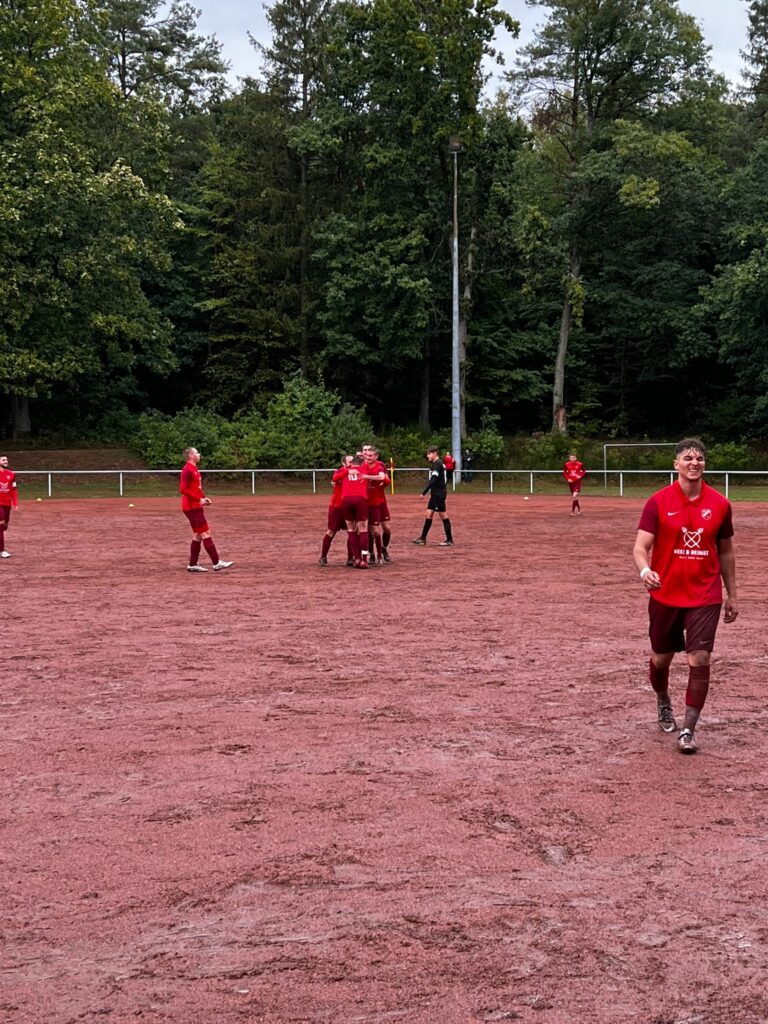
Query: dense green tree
{"x":251,"y":241}
{"x":155,"y":49}
{"x":735,"y":305}
{"x":593,"y":63}
{"x":756,"y":56}
{"x":412,"y":76}
{"x":296,"y":65}
{"x":77,"y":238}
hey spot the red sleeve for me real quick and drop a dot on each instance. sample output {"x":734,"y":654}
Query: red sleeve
{"x":649,"y":520}
{"x":726,"y":527}
{"x":15,"y":493}
{"x":340,"y":475}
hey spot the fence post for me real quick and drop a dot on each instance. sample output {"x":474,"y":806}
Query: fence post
{"x":253,"y":481}
{"x":490,"y":476}
{"x":49,"y":485}
{"x":726,"y":485}
{"x":531,"y":483}
{"x":314,"y":481}
{"x":621,"y":485}
{"x":121,"y":484}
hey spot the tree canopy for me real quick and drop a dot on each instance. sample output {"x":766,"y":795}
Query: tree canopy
{"x":169,"y":240}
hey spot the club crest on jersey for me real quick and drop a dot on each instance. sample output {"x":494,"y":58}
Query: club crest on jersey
{"x":692,"y":538}
{"x":706,"y":513}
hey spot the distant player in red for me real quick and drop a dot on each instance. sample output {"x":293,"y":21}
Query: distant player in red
{"x":354,"y":502}
{"x":378,"y":511}
{"x":193,"y":501}
{"x":688,"y":528}
{"x":574,"y":473}
{"x":9,"y":499}
{"x":335,"y":518}
{"x":450,"y":465}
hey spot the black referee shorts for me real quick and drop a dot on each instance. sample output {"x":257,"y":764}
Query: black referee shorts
{"x":437,"y":502}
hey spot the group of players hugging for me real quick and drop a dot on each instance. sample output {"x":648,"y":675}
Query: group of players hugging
{"x":359,"y":503}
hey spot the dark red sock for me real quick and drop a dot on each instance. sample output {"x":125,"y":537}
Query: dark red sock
{"x":210,"y":547}
{"x":194,"y":552}
{"x":659,"y":677}
{"x":326,"y":546}
{"x":350,"y":547}
{"x":386,"y":534}
{"x":574,"y":505}
{"x":354,"y":543}
{"x":698,"y":686}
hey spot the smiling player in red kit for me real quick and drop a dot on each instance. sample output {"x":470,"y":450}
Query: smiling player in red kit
{"x":684,"y":553}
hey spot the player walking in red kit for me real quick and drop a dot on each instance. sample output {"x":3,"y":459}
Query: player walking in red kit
{"x":9,"y":499}
{"x":192,"y":502}
{"x":378,"y":510}
{"x":574,"y":473}
{"x":335,"y":518}
{"x":689,"y":529}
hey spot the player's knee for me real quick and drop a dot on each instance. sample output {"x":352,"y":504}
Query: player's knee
{"x":697,"y":659}
{"x":662,"y":660}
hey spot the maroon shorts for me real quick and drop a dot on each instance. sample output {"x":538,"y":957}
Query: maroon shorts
{"x":5,"y":516}
{"x":682,"y":629}
{"x":355,"y":509}
{"x":335,"y":518}
{"x":385,"y":517}
{"x":196,"y":518}
{"x":575,"y":486}
{"x":376,"y":514}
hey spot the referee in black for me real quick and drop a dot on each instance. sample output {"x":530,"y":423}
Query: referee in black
{"x":436,"y":488}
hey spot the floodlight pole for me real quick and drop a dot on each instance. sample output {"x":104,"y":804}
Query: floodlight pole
{"x":454,"y":146}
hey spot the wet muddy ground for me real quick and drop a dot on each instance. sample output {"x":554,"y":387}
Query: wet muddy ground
{"x":431,"y":793}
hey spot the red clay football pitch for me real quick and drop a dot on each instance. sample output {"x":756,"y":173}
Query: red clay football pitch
{"x":431,"y":793}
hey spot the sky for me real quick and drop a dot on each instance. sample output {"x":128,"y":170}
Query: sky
{"x":723,"y":24}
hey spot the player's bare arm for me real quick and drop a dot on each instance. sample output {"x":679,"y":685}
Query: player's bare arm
{"x":642,"y":555}
{"x":727,"y":555}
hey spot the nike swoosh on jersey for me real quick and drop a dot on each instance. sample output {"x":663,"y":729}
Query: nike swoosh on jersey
{"x":674,"y":513}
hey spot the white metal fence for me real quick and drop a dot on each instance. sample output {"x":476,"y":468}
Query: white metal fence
{"x":492,"y":477}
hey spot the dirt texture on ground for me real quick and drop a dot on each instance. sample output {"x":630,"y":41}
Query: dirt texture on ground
{"x":430,"y":793}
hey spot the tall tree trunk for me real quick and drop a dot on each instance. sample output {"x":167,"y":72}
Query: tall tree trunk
{"x":424,"y":395}
{"x":20,"y":421}
{"x":559,"y":415}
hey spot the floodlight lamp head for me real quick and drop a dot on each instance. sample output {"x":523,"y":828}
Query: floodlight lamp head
{"x":454,"y":144}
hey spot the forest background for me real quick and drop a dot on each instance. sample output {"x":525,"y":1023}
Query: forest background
{"x":265,"y":269}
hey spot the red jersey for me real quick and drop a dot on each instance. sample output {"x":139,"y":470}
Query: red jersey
{"x":352,"y":484}
{"x":336,"y":493}
{"x":573,"y":471}
{"x":191,"y":487}
{"x":376,"y":494}
{"x":449,"y":462}
{"x":8,"y":494}
{"x":685,"y":536}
